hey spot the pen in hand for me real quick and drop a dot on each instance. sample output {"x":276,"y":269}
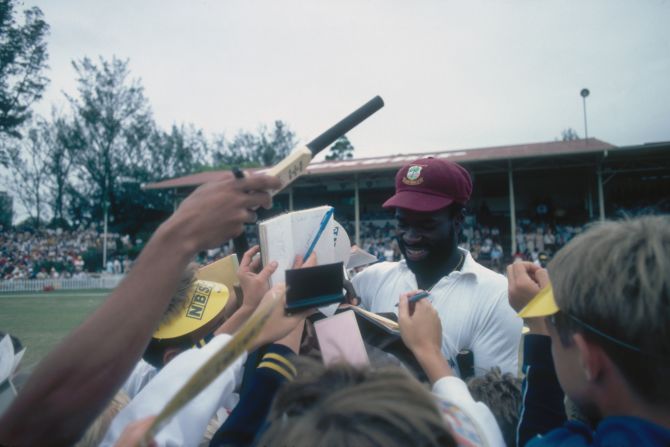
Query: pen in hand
{"x":417,"y":297}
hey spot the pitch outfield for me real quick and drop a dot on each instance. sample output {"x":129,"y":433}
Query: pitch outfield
{"x":42,"y":319}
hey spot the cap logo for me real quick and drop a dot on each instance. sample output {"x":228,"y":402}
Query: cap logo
{"x":196,"y":307}
{"x":413,"y":176}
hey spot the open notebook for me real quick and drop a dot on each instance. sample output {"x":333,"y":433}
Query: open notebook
{"x":290,"y":234}
{"x":380,"y":321}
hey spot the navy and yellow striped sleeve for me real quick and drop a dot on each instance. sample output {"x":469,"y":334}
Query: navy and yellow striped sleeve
{"x":278,"y":363}
{"x":274,"y":368}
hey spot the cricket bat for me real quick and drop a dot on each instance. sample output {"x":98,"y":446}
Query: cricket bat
{"x":296,"y":162}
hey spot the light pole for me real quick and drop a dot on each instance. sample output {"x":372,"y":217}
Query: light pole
{"x":585,"y":92}
{"x":105,"y":206}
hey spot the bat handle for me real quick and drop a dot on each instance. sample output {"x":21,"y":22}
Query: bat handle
{"x":345,"y":125}
{"x":240,"y":243}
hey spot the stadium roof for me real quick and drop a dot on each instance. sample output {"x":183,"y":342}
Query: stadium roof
{"x":554,"y":148}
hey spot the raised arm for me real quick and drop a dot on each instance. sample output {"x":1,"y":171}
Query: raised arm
{"x":542,"y":407}
{"x":74,"y":382}
{"x":421,"y":330}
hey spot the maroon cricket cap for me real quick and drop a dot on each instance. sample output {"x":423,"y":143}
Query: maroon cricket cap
{"x":429,"y":184}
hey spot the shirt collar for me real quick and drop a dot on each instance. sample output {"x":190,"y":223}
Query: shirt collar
{"x":470,"y":266}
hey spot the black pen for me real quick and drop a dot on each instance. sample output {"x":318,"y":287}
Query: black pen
{"x":237,"y":172}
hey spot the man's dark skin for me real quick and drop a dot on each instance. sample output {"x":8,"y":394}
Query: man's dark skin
{"x":428,"y":241}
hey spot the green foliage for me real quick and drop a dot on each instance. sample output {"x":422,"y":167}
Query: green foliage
{"x":29,"y":224}
{"x":6,"y":210}
{"x":263,"y":148}
{"x":65,"y":144}
{"x":341,"y":150}
{"x":92,"y":260}
{"x":569,"y":134}
{"x":27,"y":162}
{"x":112,"y":121}
{"x":23,"y":58}
{"x":107,"y":146}
{"x":181,"y":151}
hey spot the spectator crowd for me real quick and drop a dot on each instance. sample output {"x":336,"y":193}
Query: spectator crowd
{"x":58,"y":253}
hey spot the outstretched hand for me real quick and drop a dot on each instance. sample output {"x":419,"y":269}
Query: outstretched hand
{"x":309,"y":262}
{"x":217,"y":211}
{"x":420,"y":325}
{"x":525,"y":280}
{"x":254,"y":281}
{"x":280,"y":324}
{"x":421,"y":331}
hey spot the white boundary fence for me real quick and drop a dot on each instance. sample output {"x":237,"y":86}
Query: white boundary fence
{"x":38,"y":285}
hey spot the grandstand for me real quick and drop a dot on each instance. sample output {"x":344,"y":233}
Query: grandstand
{"x":564,"y":183}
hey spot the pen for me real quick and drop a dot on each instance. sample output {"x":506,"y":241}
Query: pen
{"x":240,"y":243}
{"x":237,"y":172}
{"x":322,"y":227}
{"x":417,"y":297}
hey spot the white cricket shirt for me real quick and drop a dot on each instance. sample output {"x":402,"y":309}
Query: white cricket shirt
{"x":472,"y":304}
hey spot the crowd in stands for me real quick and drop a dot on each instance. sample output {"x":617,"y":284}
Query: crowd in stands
{"x":58,"y":253}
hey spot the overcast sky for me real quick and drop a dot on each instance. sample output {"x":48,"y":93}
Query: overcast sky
{"x":453,"y":74}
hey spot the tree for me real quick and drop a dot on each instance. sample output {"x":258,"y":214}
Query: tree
{"x":112,"y":120}
{"x":6,"y":210}
{"x":64,"y":145}
{"x":341,"y":150}
{"x":23,"y":58}
{"x":27,"y":163}
{"x":181,"y":151}
{"x":264,"y":148}
{"x":569,"y":134}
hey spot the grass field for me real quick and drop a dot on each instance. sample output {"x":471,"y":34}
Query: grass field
{"x":41,"y":320}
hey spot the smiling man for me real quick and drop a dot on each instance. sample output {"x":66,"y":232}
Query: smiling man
{"x":429,"y":203}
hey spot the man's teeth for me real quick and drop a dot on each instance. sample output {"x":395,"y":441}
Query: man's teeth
{"x":415,"y":251}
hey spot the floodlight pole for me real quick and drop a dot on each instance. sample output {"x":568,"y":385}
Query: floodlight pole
{"x":104,"y":235}
{"x":584,"y":93}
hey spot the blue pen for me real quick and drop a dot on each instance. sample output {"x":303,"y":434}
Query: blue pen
{"x":417,"y":297}
{"x":322,"y":227}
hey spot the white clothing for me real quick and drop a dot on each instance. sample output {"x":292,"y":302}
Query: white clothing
{"x":141,"y":375}
{"x":188,"y":426}
{"x":479,"y":426}
{"x":472,"y":304}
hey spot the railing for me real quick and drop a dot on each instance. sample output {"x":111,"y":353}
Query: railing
{"x":38,"y":285}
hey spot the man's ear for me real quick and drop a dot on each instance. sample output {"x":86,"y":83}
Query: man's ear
{"x":592,"y":358}
{"x":457,"y":217}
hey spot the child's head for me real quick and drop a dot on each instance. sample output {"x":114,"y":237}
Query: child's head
{"x":502,"y":394}
{"x":611,"y":285}
{"x":342,"y":405}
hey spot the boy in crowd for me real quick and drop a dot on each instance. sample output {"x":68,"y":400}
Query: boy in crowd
{"x":600,"y":333}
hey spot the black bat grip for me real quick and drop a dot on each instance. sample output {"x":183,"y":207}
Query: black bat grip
{"x":349,"y":122}
{"x":240,"y":243}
